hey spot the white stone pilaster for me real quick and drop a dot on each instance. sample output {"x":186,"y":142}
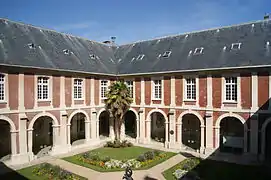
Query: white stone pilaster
{"x":87,"y":131}
{"x":217,"y":137}
{"x":179,"y":130}
{"x":69,"y":135}
{"x":172,"y":126}
{"x":23,"y":133}
{"x":254,"y":90}
{"x":202,"y":138}
{"x":30,"y":143}
{"x":137,"y":130}
{"x":166,"y":134}
{"x":13,"y":143}
{"x":93,"y":123}
{"x":148,"y":128}
{"x":209,"y":132}
{"x":209,"y":92}
{"x":142,"y":125}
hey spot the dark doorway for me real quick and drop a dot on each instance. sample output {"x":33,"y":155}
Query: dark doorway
{"x":130,"y":124}
{"x":158,"y":127}
{"x":104,"y":124}
{"x":42,"y":136}
{"x":268,"y":143}
{"x":231,"y":135}
{"x":5,"y":140}
{"x":78,"y":127}
{"x":191,"y":135}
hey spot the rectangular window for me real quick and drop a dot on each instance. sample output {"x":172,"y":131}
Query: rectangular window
{"x":157,"y":91}
{"x":78,"y":88}
{"x":230,"y":88}
{"x":190,"y":89}
{"x":104,"y":87}
{"x":130,"y":85}
{"x":43,"y":88}
{"x":2,"y":87}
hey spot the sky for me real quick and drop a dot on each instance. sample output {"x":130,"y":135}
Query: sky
{"x":131,"y":21}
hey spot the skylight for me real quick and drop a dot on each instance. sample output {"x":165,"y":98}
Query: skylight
{"x":236,"y":46}
{"x":140,"y":57}
{"x":31,"y":46}
{"x":198,"y":50}
{"x":66,"y":51}
{"x":92,"y":56}
{"x":166,"y":54}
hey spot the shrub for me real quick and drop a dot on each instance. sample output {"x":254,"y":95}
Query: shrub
{"x":141,"y":158}
{"x":118,"y":144}
{"x":105,"y":159}
{"x":189,"y":164}
{"x":94,"y":157}
{"x":149,"y":155}
{"x":156,"y":152}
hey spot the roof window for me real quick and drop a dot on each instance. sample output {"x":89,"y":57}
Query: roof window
{"x":236,"y":46}
{"x":92,"y":56}
{"x":166,"y":54}
{"x":198,"y":50}
{"x":140,"y":57}
{"x":31,"y":46}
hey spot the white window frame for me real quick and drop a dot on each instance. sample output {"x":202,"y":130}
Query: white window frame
{"x":234,"y":44}
{"x":186,"y":89}
{"x":225,"y":89}
{"x":201,"y":50}
{"x":154,"y":97}
{"x":78,"y":86}
{"x":49,"y":86}
{"x":102,"y":92}
{"x":140,"y":57}
{"x":4,"y":83}
{"x":166,"y":54}
{"x":223,"y":94}
{"x":131,"y":86}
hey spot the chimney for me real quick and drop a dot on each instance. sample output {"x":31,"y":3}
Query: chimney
{"x":266,"y":16}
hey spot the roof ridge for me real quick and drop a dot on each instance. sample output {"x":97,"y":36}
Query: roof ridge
{"x":52,"y":30}
{"x":197,"y":31}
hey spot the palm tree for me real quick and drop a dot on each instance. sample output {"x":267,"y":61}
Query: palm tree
{"x":118,"y":103}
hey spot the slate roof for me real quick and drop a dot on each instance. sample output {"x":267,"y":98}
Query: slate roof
{"x":121,"y":60}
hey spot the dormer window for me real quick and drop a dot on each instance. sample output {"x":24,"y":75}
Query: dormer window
{"x":198,"y":50}
{"x":166,"y":54}
{"x":31,"y":46}
{"x":92,"y":56}
{"x":140,"y":57}
{"x":236,"y":46}
{"x":66,"y":51}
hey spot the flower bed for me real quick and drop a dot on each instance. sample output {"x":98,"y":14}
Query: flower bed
{"x":185,"y":168}
{"x":142,"y":160}
{"x":54,"y":172}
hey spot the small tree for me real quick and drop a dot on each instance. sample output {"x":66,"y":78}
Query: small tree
{"x":117,"y":103}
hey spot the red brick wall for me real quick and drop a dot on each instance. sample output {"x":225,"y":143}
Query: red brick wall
{"x":147,"y":90}
{"x":178,"y":90}
{"x":68,"y":91}
{"x":246,"y":91}
{"x":167,"y":94}
{"x":96,"y":89}
{"x":217,"y":92}
{"x":29,"y":91}
{"x":13,"y":82}
{"x":137,"y":91}
{"x":203,"y":91}
{"x":87,"y":90}
{"x":263,"y":90}
{"x":56,"y":91}
{"x":44,"y":103}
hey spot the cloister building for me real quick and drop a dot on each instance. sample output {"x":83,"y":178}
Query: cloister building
{"x":205,"y":91}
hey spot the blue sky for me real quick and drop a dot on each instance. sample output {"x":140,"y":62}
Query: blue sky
{"x":135,"y":20}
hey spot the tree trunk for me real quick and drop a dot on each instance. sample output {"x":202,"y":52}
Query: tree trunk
{"x":117,"y":130}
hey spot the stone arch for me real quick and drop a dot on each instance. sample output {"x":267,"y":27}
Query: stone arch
{"x":105,"y":126}
{"x":100,"y":112}
{"x":76,"y":112}
{"x":191,"y":112}
{"x":219,"y":119}
{"x":11,"y":123}
{"x":159,"y":111}
{"x":130,"y":128}
{"x":55,"y":121}
{"x":217,"y":128}
{"x":135,"y":112}
{"x":263,"y":136}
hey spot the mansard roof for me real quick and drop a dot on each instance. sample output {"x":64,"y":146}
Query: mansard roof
{"x":244,"y":45}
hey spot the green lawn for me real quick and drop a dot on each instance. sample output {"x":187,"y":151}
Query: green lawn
{"x":119,"y":154}
{"x":214,"y":170}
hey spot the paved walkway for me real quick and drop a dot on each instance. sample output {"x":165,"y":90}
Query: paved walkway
{"x":154,"y":172}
